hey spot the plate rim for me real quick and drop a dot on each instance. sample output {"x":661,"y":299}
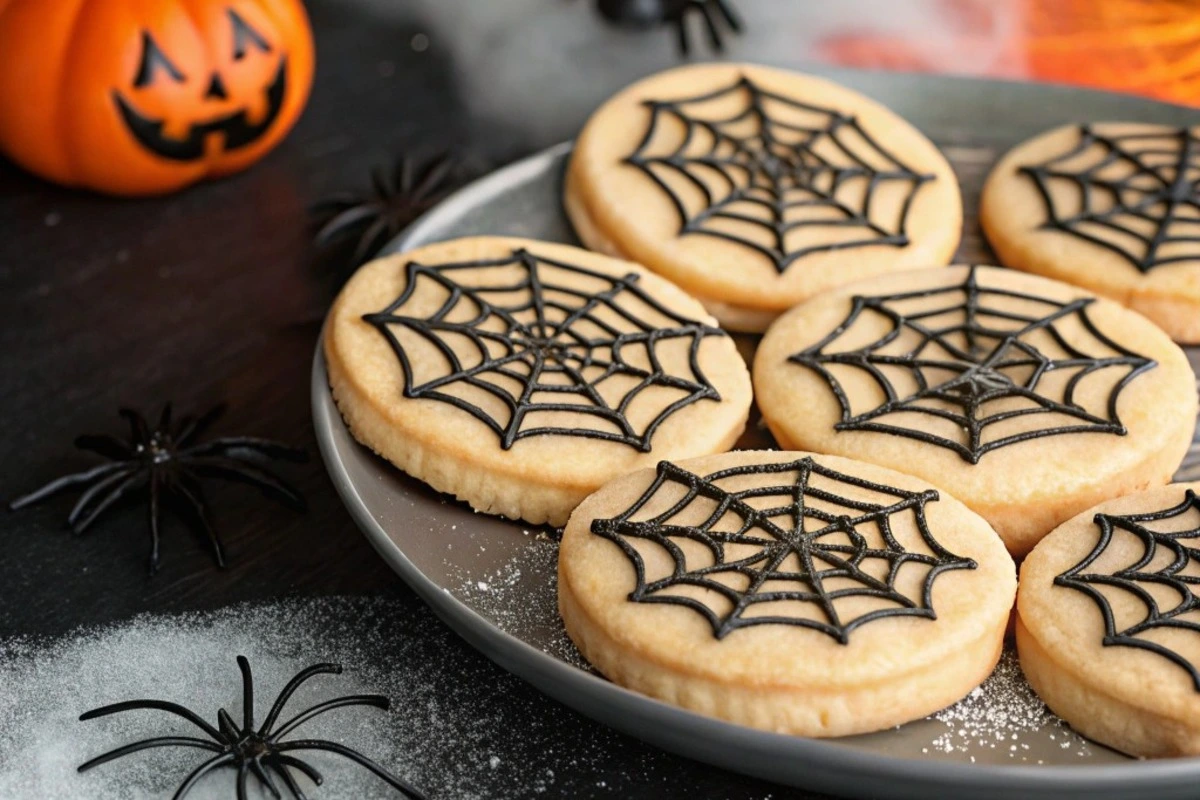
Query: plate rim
{"x":775,"y":755}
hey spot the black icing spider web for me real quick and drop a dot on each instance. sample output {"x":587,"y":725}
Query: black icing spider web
{"x":1183,"y":547}
{"x":966,"y":367}
{"x":547,"y":348}
{"x":804,"y":178}
{"x":812,"y":541}
{"x":1137,"y":194}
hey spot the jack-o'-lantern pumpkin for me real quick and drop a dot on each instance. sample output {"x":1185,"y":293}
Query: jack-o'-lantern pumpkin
{"x":135,"y":97}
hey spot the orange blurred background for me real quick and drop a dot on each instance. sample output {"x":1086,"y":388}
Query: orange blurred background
{"x":1147,"y":47}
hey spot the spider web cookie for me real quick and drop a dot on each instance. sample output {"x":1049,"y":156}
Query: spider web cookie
{"x":549,"y":348}
{"x":813,"y":547}
{"x":1169,"y":560}
{"x":1136,"y":194}
{"x":974,"y":368}
{"x":778,"y":168}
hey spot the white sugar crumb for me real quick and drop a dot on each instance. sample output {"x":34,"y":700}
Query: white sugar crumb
{"x":1000,"y":715}
{"x":521,"y":598}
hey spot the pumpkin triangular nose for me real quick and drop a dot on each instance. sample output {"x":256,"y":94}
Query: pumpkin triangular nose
{"x":216,"y":88}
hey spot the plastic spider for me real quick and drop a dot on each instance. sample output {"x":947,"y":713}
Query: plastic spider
{"x":258,"y":752}
{"x":397,"y":197}
{"x":649,"y":13}
{"x":168,"y":463}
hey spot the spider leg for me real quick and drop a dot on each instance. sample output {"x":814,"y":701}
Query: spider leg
{"x":342,"y":223}
{"x":154,"y":705}
{"x":246,"y":472}
{"x":79,"y":520}
{"x":265,"y":777}
{"x":382,"y":182}
{"x":292,"y":686}
{"x":288,"y":780}
{"x":371,"y":239}
{"x":139,"y":429}
{"x":356,"y":757}
{"x":731,"y":18}
{"x":708,"y":13}
{"x":402,"y":175}
{"x":252,"y":444}
{"x":105,"y":445}
{"x":99,"y":487}
{"x":242,"y":778}
{"x":155,"y":488}
{"x":161,"y":741}
{"x":58,"y":484}
{"x":199,"y":772}
{"x":685,"y":46}
{"x":195,"y":506}
{"x":228,"y":728}
{"x":435,"y":174}
{"x":247,"y":694}
{"x":378,"y":701}
{"x":193,"y":427}
{"x":313,"y":774}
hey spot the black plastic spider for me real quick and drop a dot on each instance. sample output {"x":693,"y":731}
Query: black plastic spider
{"x":649,"y":13}
{"x":168,"y":463}
{"x":397,"y":197}
{"x":250,"y":751}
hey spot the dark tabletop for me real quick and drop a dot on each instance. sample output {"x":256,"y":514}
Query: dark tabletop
{"x":214,"y":294}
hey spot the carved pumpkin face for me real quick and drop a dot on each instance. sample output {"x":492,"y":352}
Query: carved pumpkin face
{"x":150,"y":97}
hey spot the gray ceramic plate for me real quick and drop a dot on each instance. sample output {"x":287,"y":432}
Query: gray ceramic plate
{"x":493,"y":580}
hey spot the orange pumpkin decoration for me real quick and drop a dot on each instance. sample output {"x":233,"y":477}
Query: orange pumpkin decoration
{"x":136,"y":97}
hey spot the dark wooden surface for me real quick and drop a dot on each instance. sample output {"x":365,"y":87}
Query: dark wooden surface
{"x":214,"y":295}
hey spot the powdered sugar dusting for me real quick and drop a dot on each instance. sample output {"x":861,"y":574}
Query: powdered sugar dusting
{"x":1001,"y":721}
{"x":451,"y":730}
{"x":1003,"y":715}
{"x":521,"y":598}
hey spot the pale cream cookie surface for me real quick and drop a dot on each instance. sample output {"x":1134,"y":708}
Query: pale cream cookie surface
{"x":1108,"y":627}
{"x":756,"y":188}
{"x":788,"y":591}
{"x":520,"y":375}
{"x":1110,"y":206}
{"x":1028,"y":399}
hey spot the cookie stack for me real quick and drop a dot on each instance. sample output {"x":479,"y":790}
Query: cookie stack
{"x":935,"y":422}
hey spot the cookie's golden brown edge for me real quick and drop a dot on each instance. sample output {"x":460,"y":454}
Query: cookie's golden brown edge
{"x":892,"y":696}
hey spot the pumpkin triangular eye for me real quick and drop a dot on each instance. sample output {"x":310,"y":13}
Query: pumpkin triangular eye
{"x":153,"y":60}
{"x":244,"y":35}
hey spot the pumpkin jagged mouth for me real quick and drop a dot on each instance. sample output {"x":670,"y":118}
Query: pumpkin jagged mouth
{"x":235,"y":128}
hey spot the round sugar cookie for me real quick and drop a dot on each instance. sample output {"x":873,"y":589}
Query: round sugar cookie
{"x":519,"y":375}
{"x":1108,"y":626}
{"x":756,"y":188}
{"x":787,"y":591}
{"x":1028,"y":399}
{"x":1110,"y":206}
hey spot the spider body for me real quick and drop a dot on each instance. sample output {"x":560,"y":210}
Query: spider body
{"x":397,"y":197}
{"x":167,"y":463}
{"x":650,"y":13}
{"x":253,"y":751}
